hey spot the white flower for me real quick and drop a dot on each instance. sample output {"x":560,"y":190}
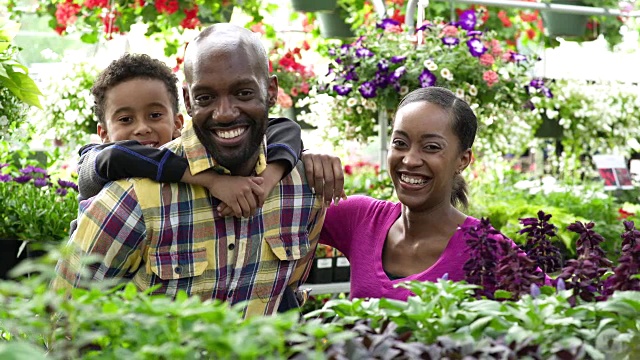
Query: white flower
{"x":351,"y":102}
{"x":359,"y":109}
{"x":404,"y":89}
{"x":446,"y":73}
{"x":430,"y":65}
{"x":460,"y":93}
{"x":370,"y":105}
{"x":4,"y":121}
{"x":473,"y":91}
{"x":348,"y":111}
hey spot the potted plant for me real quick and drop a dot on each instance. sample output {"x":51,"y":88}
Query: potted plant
{"x":167,"y":19}
{"x":386,"y":62}
{"x":322,"y":268}
{"x":35,"y":208}
{"x":294,"y":77}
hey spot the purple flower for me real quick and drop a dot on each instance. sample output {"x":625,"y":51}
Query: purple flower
{"x":476,"y":47}
{"x":332,"y":52}
{"x":427,"y":78}
{"x":385,"y":23}
{"x":467,"y":20}
{"x":529,"y":105}
{"x":537,"y":83}
{"x":383,"y":65}
{"x":61,"y":191}
{"x":368,"y":90}
{"x":535,"y":290}
{"x":67,"y":184}
{"x":398,"y":59}
{"x":381,"y":80}
{"x":351,"y":76}
{"x":364,"y":52}
{"x":518,"y":57}
{"x":5,"y":178}
{"x":450,"y":41}
{"x":423,"y":27}
{"x":342,"y":90}
{"x":474,"y":33}
{"x":547,"y":92}
{"x":560,"y":285}
{"x":40,"y":182}
{"x":397,"y":74}
{"x":22,"y":179}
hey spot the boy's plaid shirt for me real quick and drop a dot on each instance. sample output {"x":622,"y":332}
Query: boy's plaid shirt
{"x":170,"y":235}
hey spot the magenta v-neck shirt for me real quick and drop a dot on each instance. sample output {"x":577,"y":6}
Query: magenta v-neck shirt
{"x":358,"y":227}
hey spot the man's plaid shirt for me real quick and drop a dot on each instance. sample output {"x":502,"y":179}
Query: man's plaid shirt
{"x":170,"y":235}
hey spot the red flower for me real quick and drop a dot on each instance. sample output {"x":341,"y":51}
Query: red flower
{"x":258,"y":28}
{"x":348,"y":170}
{"x":397,"y":16}
{"x":167,"y":6}
{"x":531,"y":34}
{"x":529,"y":16}
{"x":139,"y":3}
{"x":490,"y":77}
{"x":60,"y":29}
{"x":486,"y":59}
{"x":191,"y":20}
{"x":96,"y":3}
{"x":502,"y":15}
{"x":624,"y":214}
{"x":305,"y":45}
{"x":109,"y":24}
{"x":66,"y":13}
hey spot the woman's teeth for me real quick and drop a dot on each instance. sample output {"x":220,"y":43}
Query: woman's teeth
{"x":412,"y":180}
{"x":230,"y":134}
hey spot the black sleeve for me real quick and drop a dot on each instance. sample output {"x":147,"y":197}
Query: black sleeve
{"x":129,"y":158}
{"x":284,"y":142}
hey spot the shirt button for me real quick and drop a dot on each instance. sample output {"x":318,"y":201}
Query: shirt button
{"x":178,"y":269}
{"x":288,"y":251}
{"x":230,"y":294}
{"x":232,"y":246}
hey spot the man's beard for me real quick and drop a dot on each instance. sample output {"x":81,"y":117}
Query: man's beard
{"x":236,"y":160}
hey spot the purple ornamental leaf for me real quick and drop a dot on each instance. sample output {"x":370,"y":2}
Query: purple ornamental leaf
{"x":367,"y":90}
{"x":427,"y":78}
{"x":467,"y":20}
{"x":476,"y":47}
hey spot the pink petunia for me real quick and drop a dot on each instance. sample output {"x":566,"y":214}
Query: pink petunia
{"x":490,"y":77}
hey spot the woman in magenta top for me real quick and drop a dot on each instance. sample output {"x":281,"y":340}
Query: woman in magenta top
{"x":420,"y":237}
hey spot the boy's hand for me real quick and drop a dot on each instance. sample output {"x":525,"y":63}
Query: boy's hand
{"x":271,"y":177}
{"x":240,"y":196}
{"x":325,"y":176}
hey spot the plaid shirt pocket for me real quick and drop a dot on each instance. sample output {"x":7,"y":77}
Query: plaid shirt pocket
{"x":289,"y":247}
{"x":179,"y":265}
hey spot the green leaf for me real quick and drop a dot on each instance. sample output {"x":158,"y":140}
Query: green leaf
{"x":503,"y":294}
{"x":20,"y":351}
{"x":89,"y":38}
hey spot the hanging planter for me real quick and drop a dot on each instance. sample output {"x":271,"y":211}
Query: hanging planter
{"x":563,"y":24}
{"x":333,"y":24}
{"x":313,"y":5}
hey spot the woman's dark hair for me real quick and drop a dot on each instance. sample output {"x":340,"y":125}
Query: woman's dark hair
{"x":464,"y":125}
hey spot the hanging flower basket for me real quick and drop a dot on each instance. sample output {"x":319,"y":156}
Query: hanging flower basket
{"x":333,"y":24}
{"x":563,"y":24}
{"x":313,"y":5}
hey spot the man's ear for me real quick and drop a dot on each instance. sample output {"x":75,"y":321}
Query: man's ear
{"x":187,"y":99}
{"x":272,"y":90}
{"x":465,"y":159}
{"x":178,"y":122}
{"x":102,"y":132}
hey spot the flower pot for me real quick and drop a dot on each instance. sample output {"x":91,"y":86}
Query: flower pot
{"x":550,"y":128}
{"x":208,"y":17}
{"x":341,"y":269}
{"x":333,"y":24}
{"x":321,"y":271}
{"x":9,"y":256}
{"x":313,"y":5}
{"x":563,"y":24}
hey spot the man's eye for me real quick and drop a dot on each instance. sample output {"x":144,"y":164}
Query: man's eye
{"x":245,"y":93}
{"x":200,"y":99}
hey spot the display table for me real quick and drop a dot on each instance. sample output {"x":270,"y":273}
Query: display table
{"x":330,"y":288}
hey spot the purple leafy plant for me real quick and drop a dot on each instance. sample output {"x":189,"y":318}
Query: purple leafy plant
{"x":516,"y":272}
{"x":583,"y":274}
{"x":628,"y":263}
{"x":485,"y":251}
{"x":539,"y":247}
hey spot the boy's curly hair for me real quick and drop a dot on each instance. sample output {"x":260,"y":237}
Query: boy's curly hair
{"x":128,"y":67}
